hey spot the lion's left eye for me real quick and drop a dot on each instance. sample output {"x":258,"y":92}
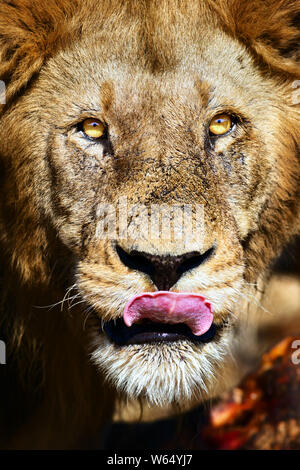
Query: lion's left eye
{"x":93,"y":128}
{"x":220,"y":124}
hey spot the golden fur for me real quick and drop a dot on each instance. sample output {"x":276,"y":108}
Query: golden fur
{"x":156,"y":72}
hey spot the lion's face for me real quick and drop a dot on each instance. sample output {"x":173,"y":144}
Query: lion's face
{"x":157,"y":148}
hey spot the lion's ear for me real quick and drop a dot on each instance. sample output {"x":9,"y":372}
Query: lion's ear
{"x":30,"y":31}
{"x":271,"y":28}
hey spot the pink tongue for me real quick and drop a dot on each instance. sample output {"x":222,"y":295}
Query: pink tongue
{"x":171,"y":307}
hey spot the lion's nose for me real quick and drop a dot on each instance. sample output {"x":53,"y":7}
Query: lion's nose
{"x":163,"y":270}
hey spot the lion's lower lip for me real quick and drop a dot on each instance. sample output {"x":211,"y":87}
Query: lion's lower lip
{"x":151,"y":332}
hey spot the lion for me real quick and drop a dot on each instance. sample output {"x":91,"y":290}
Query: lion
{"x":115,"y":112}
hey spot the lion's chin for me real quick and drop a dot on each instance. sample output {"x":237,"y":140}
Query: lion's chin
{"x":166,"y":372}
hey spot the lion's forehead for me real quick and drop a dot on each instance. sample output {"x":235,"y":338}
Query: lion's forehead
{"x":212,"y":69}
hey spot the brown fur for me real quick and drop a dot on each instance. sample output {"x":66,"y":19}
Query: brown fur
{"x":156,"y":72}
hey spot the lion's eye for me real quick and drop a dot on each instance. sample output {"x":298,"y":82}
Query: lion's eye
{"x":220,"y":124}
{"x":93,"y":128}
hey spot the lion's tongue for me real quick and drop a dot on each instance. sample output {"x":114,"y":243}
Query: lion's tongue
{"x":171,"y":307}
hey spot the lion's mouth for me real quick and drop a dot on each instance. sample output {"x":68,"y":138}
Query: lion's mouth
{"x":163,"y":316}
{"x":151,"y":332}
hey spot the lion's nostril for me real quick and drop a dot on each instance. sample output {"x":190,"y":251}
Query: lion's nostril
{"x":166,"y":270}
{"x":136,"y":261}
{"x":194,"y":259}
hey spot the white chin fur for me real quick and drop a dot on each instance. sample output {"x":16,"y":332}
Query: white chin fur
{"x":166,"y":373}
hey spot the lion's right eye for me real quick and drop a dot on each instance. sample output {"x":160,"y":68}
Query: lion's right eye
{"x":93,"y":128}
{"x":220,"y":125}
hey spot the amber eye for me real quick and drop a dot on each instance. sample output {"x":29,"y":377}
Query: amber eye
{"x":93,"y":128}
{"x":220,"y":124}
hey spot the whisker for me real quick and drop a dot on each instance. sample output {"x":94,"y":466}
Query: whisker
{"x":251,"y":297}
{"x":60,"y":302}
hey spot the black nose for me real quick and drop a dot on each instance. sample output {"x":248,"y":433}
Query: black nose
{"x":163,"y":270}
